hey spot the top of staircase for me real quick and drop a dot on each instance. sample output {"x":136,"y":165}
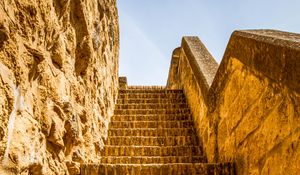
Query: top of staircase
{"x":146,"y":87}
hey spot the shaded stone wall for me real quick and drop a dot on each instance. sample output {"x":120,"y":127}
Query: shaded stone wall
{"x":186,"y":73}
{"x":250,"y":113}
{"x":58,"y":83}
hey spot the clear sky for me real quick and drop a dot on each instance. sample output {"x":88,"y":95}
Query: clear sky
{"x":151,"y":29}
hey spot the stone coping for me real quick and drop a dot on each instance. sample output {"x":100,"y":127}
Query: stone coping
{"x":201,"y":61}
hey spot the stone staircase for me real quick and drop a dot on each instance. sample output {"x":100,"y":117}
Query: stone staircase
{"x":152,"y":132}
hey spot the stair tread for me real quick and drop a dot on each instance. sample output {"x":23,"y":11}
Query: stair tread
{"x":149,"y":90}
{"x":153,"y":118}
{"x":151,"y":129}
{"x":157,"y":168}
{"x":160,"y":109}
{"x":152,"y":106}
{"x":147,"y":115}
{"x":152,"y":111}
{"x":152,"y":95}
{"x":164,"y":164}
{"x":159,"y":141}
{"x":152,"y":159}
{"x":149,"y":100}
{"x":164,"y":104}
{"x":139,"y":146}
{"x":145,"y":87}
{"x":117,"y":150}
{"x":164,"y":156}
{"x":152,"y":121}
{"x":152,"y":137}
{"x":152,"y":91}
{"x":152,"y":132}
{"x":158,"y":92}
{"x":151,"y":124}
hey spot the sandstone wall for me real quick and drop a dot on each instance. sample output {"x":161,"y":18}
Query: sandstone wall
{"x":58,"y":83}
{"x":185,"y":73}
{"x":250,"y":113}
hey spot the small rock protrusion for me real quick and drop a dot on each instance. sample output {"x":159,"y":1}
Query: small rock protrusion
{"x":4,"y":34}
{"x":73,"y":167}
{"x":1,"y":133}
{"x":36,"y":169}
{"x":84,"y":54}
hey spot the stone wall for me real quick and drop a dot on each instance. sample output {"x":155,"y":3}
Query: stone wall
{"x":58,"y":83}
{"x":251,"y":111}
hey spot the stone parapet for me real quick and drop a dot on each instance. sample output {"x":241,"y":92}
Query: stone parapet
{"x":247,"y":109}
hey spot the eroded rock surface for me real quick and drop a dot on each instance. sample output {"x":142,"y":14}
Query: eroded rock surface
{"x":58,"y":83}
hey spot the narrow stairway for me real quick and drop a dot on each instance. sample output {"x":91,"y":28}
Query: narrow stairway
{"x":152,"y":132}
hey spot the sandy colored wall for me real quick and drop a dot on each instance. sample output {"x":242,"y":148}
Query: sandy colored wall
{"x":58,"y":83}
{"x":185,"y":73}
{"x":250,"y":113}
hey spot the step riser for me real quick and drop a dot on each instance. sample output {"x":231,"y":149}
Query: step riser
{"x":151,"y":112}
{"x":152,"y":141}
{"x":151,"y":132}
{"x":149,"y":101}
{"x":151,"y":160}
{"x":150,"y":91}
{"x":149,"y":88}
{"x":151,"y":106}
{"x":151,"y":151}
{"x":145,"y":124}
{"x":152,"y":95}
{"x":177,"y":169}
{"x":151,"y":117}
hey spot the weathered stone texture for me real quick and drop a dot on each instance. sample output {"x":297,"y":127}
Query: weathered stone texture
{"x":174,"y":79}
{"x":151,"y":132}
{"x":194,"y":85}
{"x":259,"y":123}
{"x":250,"y":114}
{"x":58,"y":83}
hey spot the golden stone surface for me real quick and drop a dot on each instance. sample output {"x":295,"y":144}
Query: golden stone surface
{"x":58,"y":83}
{"x":250,"y":113}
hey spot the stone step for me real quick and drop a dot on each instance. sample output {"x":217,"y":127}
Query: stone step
{"x":151,"y":160}
{"x":151,"y":111}
{"x":151,"y":132}
{"x":151,"y":95}
{"x":151,"y":124}
{"x":149,"y":91}
{"x":152,"y":117}
{"x":152,"y":141}
{"x":152,"y":106}
{"x":145,"y":87}
{"x":149,"y":100}
{"x":152,"y":91}
{"x":159,"y":169}
{"x":151,"y":151}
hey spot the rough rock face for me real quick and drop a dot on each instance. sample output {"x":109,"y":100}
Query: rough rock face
{"x":58,"y":83}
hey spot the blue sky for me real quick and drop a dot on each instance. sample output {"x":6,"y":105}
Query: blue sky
{"x":151,"y":29}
